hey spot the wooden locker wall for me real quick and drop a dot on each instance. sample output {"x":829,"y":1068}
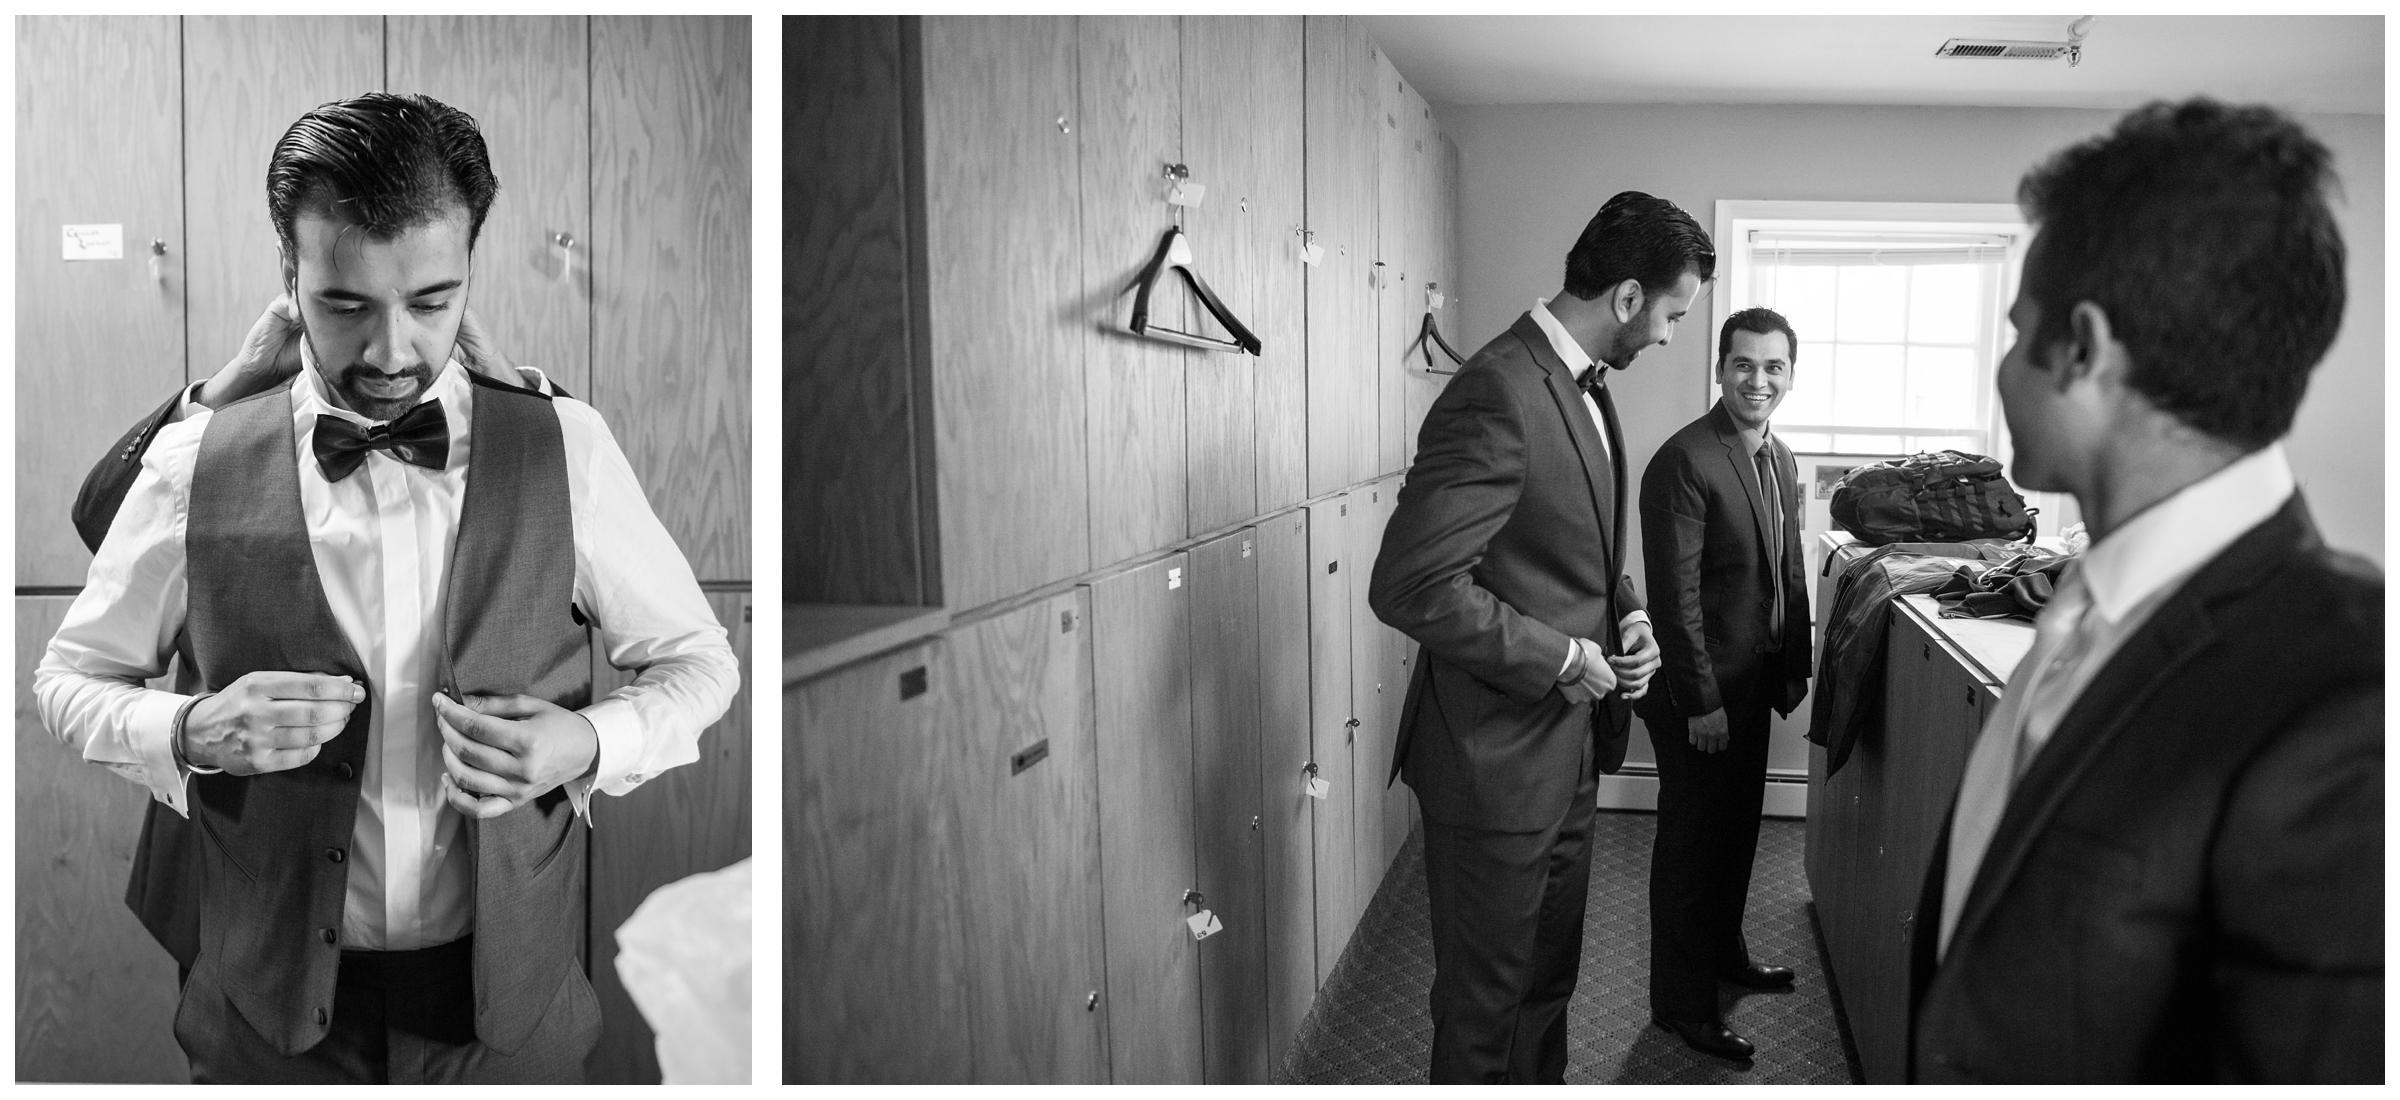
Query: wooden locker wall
{"x":1288,"y":825}
{"x":1278,"y":312}
{"x":1015,"y":695}
{"x":1008,"y":394}
{"x":1228,"y":817}
{"x":99,"y":342}
{"x":692,"y":819}
{"x":1396,"y":250}
{"x":527,"y":81}
{"x":1141,"y":691}
{"x":1339,"y":102}
{"x":95,"y":996}
{"x":1130,"y":126}
{"x":670,"y":271}
{"x":1332,"y":572}
{"x":1222,"y":107}
{"x":1378,"y":682}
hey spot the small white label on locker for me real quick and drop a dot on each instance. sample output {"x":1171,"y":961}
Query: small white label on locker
{"x":93,"y":242}
{"x":1245,"y":548}
{"x":1174,"y":579}
{"x":1186,"y":193}
{"x":1319,"y":788}
{"x":1312,"y":254}
{"x":1435,"y":298}
{"x":1203,"y":924}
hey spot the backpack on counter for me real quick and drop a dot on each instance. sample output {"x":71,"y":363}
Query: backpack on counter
{"x":1941,"y":496}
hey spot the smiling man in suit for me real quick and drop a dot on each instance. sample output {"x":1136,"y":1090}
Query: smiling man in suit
{"x":2165,"y":861}
{"x":1720,"y":545}
{"x":1504,"y":561}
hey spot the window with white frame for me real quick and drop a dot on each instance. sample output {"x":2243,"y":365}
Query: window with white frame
{"x":1901,"y":310}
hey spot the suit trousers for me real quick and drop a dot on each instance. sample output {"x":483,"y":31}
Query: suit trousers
{"x":1708,"y":807}
{"x":399,"y":1017}
{"x":1507,"y":914}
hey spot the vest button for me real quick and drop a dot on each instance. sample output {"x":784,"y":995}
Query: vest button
{"x":344,"y":770}
{"x":334,"y":854}
{"x":327,"y":933}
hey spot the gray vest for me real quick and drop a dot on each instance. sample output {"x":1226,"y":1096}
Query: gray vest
{"x":273,"y":858}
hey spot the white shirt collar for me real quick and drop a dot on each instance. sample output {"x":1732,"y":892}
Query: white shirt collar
{"x":1569,"y":352}
{"x":2171,"y":539}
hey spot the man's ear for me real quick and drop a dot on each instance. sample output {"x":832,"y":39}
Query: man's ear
{"x":291,"y":274}
{"x":1626,"y":301}
{"x":2091,"y":348}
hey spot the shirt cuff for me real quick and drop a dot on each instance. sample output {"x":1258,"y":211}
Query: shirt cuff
{"x":619,"y":728}
{"x":1632,"y":617}
{"x":190,"y":404}
{"x":151,"y":724}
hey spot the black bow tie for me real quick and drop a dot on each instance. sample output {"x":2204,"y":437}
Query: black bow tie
{"x":421,"y":437}
{"x":1594,"y":379}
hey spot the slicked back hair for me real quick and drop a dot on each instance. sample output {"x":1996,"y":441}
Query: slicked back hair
{"x":383,"y":162}
{"x":1640,"y":237}
{"x":2203,"y":231}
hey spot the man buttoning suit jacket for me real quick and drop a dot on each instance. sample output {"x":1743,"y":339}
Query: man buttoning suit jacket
{"x":1503,"y":561}
{"x":2165,"y":860}
{"x":1729,"y":599}
{"x":391,"y":733}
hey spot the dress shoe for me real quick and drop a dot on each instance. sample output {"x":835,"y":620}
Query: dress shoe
{"x":1760,"y":976}
{"x":1709,"y":1037}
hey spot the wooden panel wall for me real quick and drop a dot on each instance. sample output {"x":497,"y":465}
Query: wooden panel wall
{"x":875,"y":965}
{"x":854,"y":459}
{"x":1008,"y":392}
{"x":1029,"y":843}
{"x":1332,"y":571}
{"x":1378,"y":683}
{"x":1228,"y":818}
{"x":692,"y":819}
{"x":1130,"y":128}
{"x":245,"y":78}
{"x":95,"y":996}
{"x":670,"y":268}
{"x":1395,"y":248}
{"x":1413,"y":163}
{"x":1339,"y":101}
{"x":527,"y":81}
{"x":1278,"y":309}
{"x":1283,"y":662}
{"x":98,"y":342}
{"x":1142,"y":696}
{"x":1222,"y":108}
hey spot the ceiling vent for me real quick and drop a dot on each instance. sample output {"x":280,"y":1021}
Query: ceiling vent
{"x":2003,"y":48}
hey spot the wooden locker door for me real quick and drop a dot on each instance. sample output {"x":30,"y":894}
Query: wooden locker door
{"x":1016,"y":699}
{"x":1331,"y":573}
{"x":1278,"y":313}
{"x":1000,"y":199}
{"x":1396,"y":249}
{"x":1223,"y":103}
{"x":95,"y":994}
{"x":1130,"y":128}
{"x":1378,"y":682}
{"x":1141,"y":688}
{"x":99,"y":343}
{"x":670,"y":270}
{"x":1433,"y":271}
{"x":1283,"y":667}
{"x":527,"y":81}
{"x":692,"y":819}
{"x":246,"y":79}
{"x":874,"y":935}
{"x":1228,"y":815}
{"x":1343,"y":401}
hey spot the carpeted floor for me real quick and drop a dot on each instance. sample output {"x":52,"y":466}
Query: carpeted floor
{"x":1369,"y":1023}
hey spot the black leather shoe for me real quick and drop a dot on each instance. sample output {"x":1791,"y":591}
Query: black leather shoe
{"x":1709,"y":1037}
{"x":1760,"y":976}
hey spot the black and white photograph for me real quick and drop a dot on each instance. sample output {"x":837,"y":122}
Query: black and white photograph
{"x":1309,"y":551}
{"x":381,"y":703}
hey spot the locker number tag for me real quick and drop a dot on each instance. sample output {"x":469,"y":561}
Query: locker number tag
{"x":92,"y":242}
{"x":1203,"y":924}
{"x":1435,"y":298}
{"x":1186,"y":193}
{"x":1312,"y":254}
{"x":1174,"y":578}
{"x":1319,"y":788}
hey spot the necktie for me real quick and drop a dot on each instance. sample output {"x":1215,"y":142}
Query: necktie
{"x":1774,"y":497}
{"x":421,"y":437}
{"x":1592,"y":384}
{"x":2060,"y":640}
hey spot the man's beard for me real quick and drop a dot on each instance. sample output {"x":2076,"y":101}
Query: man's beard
{"x":380,"y":402}
{"x":1627,"y":343}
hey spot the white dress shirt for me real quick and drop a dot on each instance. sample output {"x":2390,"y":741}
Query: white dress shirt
{"x":381,"y":539}
{"x":1579,"y":361}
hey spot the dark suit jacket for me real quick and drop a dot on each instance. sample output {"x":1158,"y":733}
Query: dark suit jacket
{"x":2188,"y":882}
{"x":1496,"y":555}
{"x":1704,"y":549}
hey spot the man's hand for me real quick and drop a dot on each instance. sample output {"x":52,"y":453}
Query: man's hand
{"x":480,"y":353}
{"x":270,"y":353}
{"x":1639,"y":661}
{"x":268,"y":721}
{"x":1707,"y":732}
{"x":502,"y":751}
{"x":1795,"y":691}
{"x":1598,"y":677}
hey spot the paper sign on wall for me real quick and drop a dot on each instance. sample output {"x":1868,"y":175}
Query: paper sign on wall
{"x":1319,"y":788}
{"x":1204,"y":924}
{"x":93,"y":242}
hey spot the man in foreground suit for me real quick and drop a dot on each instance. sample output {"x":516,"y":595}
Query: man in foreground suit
{"x":2165,"y":862}
{"x":1721,"y":550}
{"x":393,"y":734}
{"x":1503,"y":560}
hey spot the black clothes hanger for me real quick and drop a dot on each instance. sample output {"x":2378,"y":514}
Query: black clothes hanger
{"x":1429,"y":333}
{"x":1176,"y":252}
